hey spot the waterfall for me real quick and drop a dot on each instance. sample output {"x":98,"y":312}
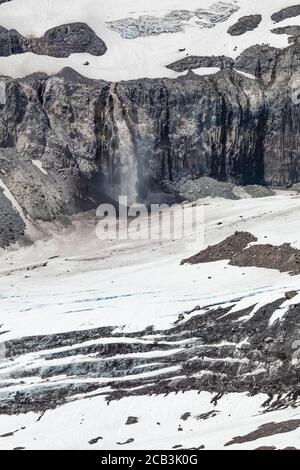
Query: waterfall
{"x":124,"y":154}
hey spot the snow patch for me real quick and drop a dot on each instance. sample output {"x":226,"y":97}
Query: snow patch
{"x":245,"y":74}
{"x":39,"y":165}
{"x":206,"y":70}
{"x":144,"y":56}
{"x":13,"y":201}
{"x":2,"y":93}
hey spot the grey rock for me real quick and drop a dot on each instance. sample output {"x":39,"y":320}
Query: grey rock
{"x":191,"y":189}
{"x":245,"y":24}
{"x":289,"y":12}
{"x":67,"y":39}
{"x":145,"y":25}
{"x":295,"y":187}
{"x":290,"y":30}
{"x":11,"y":42}
{"x":60,"y":41}
{"x":225,"y":126}
{"x":290,"y":295}
{"x":259,"y":60}
{"x":213,"y":338}
{"x":256,"y":191}
{"x":95,"y":440}
{"x":194,"y":62}
{"x":217,"y":13}
{"x":12,"y":226}
{"x":131,"y":420}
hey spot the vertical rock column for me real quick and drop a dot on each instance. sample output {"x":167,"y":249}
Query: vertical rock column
{"x":116,"y":147}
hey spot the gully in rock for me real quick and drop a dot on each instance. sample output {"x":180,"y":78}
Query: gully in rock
{"x":125,"y":157}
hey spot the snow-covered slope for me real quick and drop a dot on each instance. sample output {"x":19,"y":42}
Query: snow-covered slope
{"x":185,"y":356}
{"x":83,"y":321}
{"x":200,"y":29}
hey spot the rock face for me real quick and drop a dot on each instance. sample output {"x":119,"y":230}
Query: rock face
{"x":27,"y":134}
{"x":225,"y":350}
{"x":12,"y":226}
{"x":194,"y":62}
{"x":192,"y":189}
{"x":245,"y":24}
{"x":290,"y":30}
{"x":11,"y":42}
{"x":289,"y":12}
{"x":260,"y":61}
{"x":235,"y":248}
{"x":94,"y":137}
{"x":60,"y":41}
{"x":67,"y":39}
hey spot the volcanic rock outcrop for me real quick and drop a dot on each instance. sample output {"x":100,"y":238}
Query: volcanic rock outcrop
{"x":285,"y":13}
{"x":12,"y":226}
{"x":284,"y":258}
{"x":245,"y":24}
{"x":91,"y":136}
{"x":11,"y":42}
{"x":215,"y":349}
{"x":194,"y":62}
{"x":67,"y":39}
{"x":60,"y":41}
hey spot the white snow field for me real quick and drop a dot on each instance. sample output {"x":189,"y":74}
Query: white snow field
{"x":131,"y":285}
{"x":140,"y":57}
{"x":73,"y":425}
{"x":70,"y":281}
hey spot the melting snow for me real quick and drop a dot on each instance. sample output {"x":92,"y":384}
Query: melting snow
{"x":141,"y":57}
{"x":39,"y":165}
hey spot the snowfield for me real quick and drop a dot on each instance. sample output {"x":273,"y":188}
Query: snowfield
{"x":119,"y":276}
{"x":159,"y":420}
{"x":140,"y":57}
{"x":91,"y":328}
{"x":131,"y":285}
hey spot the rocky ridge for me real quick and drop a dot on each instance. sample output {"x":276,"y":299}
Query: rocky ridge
{"x":12,"y":225}
{"x":88,"y":137}
{"x":219,"y":349}
{"x":235,"y":248}
{"x":245,"y":24}
{"x":194,"y":62}
{"x":285,"y":13}
{"x":60,"y":41}
{"x":225,"y":126}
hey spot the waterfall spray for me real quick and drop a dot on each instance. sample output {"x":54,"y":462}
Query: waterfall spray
{"x":125,"y":153}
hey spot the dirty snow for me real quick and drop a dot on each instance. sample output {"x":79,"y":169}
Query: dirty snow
{"x":140,"y":57}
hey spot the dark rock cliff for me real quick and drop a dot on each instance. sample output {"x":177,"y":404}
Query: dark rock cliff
{"x":90,"y":134}
{"x":67,"y":39}
{"x":225,"y":350}
{"x":285,"y":13}
{"x":12,"y":227}
{"x":245,"y":24}
{"x":194,"y":62}
{"x":61,"y":41}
